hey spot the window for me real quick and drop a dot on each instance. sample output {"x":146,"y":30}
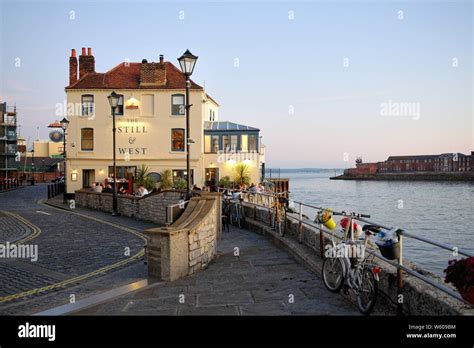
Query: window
{"x":148,"y":105}
{"x":87,"y":139}
{"x":181,"y":173}
{"x":233,"y":142}
{"x":123,"y":172}
{"x":212,"y":115}
{"x":211,"y":143}
{"x":177,"y":104}
{"x":225,"y":143}
{"x":244,"y":143}
{"x":253,"y":143}
{"x":177,"y":139}
{"x":119,"y":110}
{"x":87,"y":101}
{"x":207,"y":143}
{"x":215,"y":144}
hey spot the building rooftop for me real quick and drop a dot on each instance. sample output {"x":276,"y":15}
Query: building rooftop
{"x":394,"y":158}
{"x":226,"y":126}
{"x":127,"y":76}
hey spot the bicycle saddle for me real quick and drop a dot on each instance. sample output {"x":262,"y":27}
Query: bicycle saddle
{"x":372,"y":228}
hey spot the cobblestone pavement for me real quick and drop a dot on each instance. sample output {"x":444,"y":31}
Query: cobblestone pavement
{"x":263,"y":280}
{"x":12,"y":228}
{"x":70,"y":246}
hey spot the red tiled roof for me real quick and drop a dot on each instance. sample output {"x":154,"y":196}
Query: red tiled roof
{"x":127,"y":76}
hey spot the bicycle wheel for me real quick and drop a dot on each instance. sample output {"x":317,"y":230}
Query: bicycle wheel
{"x":333,"y":273}
{"x":367,"y":293}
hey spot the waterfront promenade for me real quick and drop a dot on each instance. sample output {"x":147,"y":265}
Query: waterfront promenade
{"x":261,"y":280}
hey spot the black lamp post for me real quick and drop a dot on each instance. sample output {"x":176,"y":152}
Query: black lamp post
{"x":64,"y":124}
{"x":187,"y":62}
{"x":113,"y":101}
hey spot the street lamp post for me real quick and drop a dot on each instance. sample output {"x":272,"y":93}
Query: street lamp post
{"x":187,"y":62}
{"x":113,"y":101}
{"x":64,"y":125}
{"x":33,"y":165}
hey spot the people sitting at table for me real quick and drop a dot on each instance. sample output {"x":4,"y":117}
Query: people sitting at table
{"x":98,"y":187}
{"x":107,"y":189}
{"x":141,"y":191}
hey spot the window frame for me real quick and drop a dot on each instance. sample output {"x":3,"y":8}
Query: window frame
{"x":90,"y":107}
{"x":82,"y":139}
{"x":183,"y":105}
{"x":184,"y":139}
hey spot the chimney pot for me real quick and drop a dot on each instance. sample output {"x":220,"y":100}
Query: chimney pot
{"x":144,"y":61}
{"x":86,"y":63}
{"x":73,"y":53}
{"x":161,"y":59}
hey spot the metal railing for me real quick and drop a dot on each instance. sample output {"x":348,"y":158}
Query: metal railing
{"x":298,"y":216}
{"x":174,"y":211}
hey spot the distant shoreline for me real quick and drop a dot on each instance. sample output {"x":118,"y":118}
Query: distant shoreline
{"x":431,"y":176}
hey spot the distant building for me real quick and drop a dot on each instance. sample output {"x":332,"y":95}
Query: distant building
{"x":446,"y":162}
{"x":8,"y":141}
{"x":418,"y":163}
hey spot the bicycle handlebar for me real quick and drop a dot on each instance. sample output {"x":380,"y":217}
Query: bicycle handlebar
{"x":356,"y":215}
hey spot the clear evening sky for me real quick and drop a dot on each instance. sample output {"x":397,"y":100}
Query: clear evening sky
{"x":312,"y":75}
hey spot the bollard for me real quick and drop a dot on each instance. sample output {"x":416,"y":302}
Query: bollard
{"x":49,"y":191}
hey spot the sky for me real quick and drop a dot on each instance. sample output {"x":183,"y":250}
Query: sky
{"x":324,"y":81}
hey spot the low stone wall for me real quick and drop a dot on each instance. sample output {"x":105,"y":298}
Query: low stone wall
{"x":419,"y":298}
{"x":189,"y":244}
{"x":150,"y":208}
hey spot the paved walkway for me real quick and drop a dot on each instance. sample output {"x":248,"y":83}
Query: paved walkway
{"x":73,"y":249}
{"x":263,"y":280}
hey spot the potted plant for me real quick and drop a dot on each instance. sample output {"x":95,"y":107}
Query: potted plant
{"x":461,"y":274}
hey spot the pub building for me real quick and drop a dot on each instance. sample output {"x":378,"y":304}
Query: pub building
{"x":150,"y":127}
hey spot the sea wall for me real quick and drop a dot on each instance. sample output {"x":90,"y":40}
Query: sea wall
{"x":416,"y":176}
{"x":303,"y":242}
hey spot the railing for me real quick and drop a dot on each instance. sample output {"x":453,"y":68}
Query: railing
{"x":174,"y":211}
{"x":8,"y":184}
{"x":252,"y":198}
{"x":55,"y":189}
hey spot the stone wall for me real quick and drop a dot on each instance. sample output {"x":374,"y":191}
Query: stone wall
{"x":419,"y":298}
{"x":150,"y":208}
{"x":189,"y":244}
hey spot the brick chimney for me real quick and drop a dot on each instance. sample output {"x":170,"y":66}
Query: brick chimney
{"x":153,"y":74}
{"x":72,"y":67}
{"x":86,"y":62}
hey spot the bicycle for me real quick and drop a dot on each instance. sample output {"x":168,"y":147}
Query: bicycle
{"x":359,"y":274}
{"x":278,"y":214}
